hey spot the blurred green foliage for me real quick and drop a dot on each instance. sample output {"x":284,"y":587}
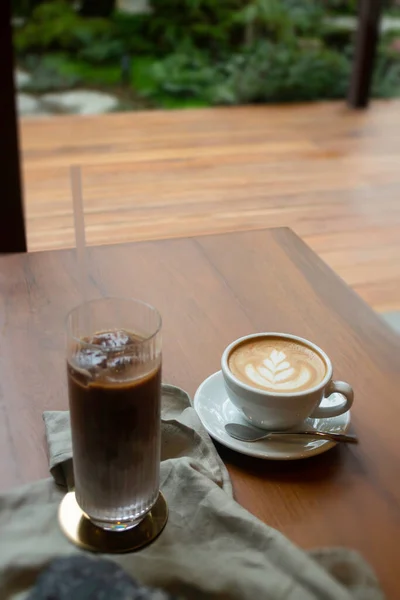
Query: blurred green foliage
{"x":201,"y":23}
{"x":24,"y":8}
{"x":200,"y":52}
{"x":48,"y":74}
{"x":60,"y":72}
{"x":57,"y":26}
{"x":88,"y":8}
{"x":96,"y":8}
{"x":350,"y":7}
{"x":265,"y":72}
{"x":341,"y":6}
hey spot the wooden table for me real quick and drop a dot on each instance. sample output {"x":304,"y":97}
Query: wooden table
{"x":210,"y":291}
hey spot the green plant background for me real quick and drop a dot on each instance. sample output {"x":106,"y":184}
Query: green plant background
{"x":198,"y":52}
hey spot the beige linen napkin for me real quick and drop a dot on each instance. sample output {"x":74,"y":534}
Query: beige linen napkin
{"x":210,"y":548}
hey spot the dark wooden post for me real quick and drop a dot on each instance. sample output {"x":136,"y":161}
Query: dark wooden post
{"x":366,"y":44}
{"x":12,"y":224}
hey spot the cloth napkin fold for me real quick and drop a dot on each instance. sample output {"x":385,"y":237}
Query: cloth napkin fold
{"x":211,"y":546}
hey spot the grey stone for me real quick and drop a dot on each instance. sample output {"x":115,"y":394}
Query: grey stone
{"x":350,"y":23}
{"x":82,"y":102}
{"x":29,"y":105}
{"x":22,"y":79}
{"x":390,"y":24}
{"x":134,"y":6}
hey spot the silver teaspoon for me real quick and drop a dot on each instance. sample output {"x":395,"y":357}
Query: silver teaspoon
{"x":245,"y":433}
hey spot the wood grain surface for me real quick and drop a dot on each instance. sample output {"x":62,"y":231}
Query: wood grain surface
{"x":211,"y":290}
{"x":328,"y":172}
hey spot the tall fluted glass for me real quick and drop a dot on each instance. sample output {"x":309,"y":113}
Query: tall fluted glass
{"x":114,"y":383}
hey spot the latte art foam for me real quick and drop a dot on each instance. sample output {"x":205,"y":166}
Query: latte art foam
{"x":277,"y":364}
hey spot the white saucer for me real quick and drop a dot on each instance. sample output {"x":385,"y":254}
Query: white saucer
{"x":214,"y":408}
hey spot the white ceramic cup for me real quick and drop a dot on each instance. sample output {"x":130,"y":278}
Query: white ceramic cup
{"x":279,"y":411}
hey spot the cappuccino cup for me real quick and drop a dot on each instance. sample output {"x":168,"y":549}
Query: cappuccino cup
{"x":277,"y":380}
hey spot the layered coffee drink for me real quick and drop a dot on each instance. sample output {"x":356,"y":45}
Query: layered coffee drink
{"x":277,"y":365}
{"x":114,"y":383}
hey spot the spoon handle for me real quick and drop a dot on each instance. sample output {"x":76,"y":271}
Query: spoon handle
{"x":325,"y":435}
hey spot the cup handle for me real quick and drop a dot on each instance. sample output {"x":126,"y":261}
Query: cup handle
{"x":338,"y":387}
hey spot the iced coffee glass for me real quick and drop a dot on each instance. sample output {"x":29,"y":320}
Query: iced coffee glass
{"x":114,"y":384}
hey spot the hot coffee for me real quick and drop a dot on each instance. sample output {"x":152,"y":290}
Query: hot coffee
{"x":114,"y":397}
{"x":277,"y":365}
{"x":277,"y":380}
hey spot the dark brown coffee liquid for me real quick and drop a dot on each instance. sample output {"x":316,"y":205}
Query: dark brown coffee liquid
{"x":115,"y":419}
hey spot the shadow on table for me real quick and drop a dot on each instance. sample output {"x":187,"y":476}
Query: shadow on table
{"x":316,"y":468}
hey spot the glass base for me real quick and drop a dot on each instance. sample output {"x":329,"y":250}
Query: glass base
{"x":119,"y":526}
{"x":111,"y":538}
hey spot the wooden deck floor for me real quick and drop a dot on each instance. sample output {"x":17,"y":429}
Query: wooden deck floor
{"x":330,"y":174}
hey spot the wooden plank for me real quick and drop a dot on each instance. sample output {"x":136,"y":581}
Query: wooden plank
{"x":12,"y":225}
{"x":211,"y":290}
{"x":329,"y":173}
